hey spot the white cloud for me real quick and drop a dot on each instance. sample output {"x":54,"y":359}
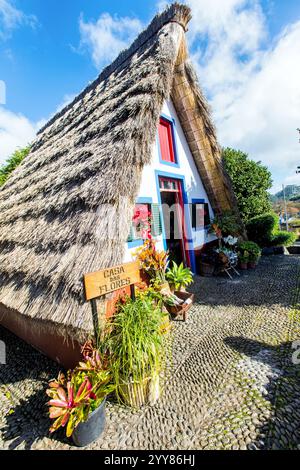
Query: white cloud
{"x":251,"y":80}
{"x":264,"y":118}
{"x":106,"y":37}
{"x":15,"y":131}
{"x":11,"y":18}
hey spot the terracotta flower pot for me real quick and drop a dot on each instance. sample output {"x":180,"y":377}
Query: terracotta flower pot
{"x":244,"y":266}
{"x":252,"y":265}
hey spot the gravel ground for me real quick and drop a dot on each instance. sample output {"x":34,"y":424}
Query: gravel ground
{"x":230,"y":385}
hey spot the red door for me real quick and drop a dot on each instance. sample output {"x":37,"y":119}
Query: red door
{"x":174,"y":220}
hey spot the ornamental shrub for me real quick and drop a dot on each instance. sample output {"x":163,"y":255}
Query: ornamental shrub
{"x":284,"y":238}
{"x":262,"y":228}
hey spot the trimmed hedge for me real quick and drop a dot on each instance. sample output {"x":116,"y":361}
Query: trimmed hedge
{"x":284,"y":238}
{"x":261,"y":228}
{"x":264,"y":231}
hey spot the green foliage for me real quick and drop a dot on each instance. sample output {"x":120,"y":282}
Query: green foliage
{"x":264,"y":231}
{"x":252,"y":249}
{"x":16,"y":158}
{"x":243,"y":256}
{"x":251,"y":182}
{"x":179,"y":276}
{"x":227,"y":223}
{"x":135,"y":343}
{"x":261,"y":229}
{"x":284,"y":238}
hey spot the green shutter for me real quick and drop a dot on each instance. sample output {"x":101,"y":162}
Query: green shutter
{"x":156,"y":227}
{"x":130,"y":236}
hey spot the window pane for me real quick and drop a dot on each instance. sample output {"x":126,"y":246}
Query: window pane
{"x":200,"y":215}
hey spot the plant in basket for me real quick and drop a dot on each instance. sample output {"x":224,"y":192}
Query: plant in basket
{"x":137,"y":351}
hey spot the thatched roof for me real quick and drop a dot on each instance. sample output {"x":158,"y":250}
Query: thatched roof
{"x":53,"y":210}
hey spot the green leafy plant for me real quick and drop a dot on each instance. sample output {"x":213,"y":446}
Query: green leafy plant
{"x":243,"y":257}
{"x":11,"y":164}
{"x":179,"y":276}
{"x":264,"y":230}
{"x":75,"y":395}
{"x":151,"y":292}
{"x":135,"y":343}
{"x":261,"y":229}
{"x":253,"y":250}
{"x":250,"y":180}
{"x":225,"y":224}
{"x":284,"y":238}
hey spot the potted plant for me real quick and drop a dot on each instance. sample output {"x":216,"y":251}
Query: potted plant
{"x":153,"y":293}
{"x":179,"y":277}
{"x":77,"y":400}
{"x":225,"y":224}
{"x":254,"y":252}
{"x":153,"y":263}
{"x":136,"y":347}
{"x":243,"y":259}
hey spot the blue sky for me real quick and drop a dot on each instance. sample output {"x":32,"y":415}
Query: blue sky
{"x":50,"y":50}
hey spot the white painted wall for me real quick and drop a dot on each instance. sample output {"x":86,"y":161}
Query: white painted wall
{"x":187,"y":168}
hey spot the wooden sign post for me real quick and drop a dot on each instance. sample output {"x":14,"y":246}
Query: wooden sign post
{"x":109,"y":280}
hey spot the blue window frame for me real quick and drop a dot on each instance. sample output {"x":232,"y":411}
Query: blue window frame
{"x":195,"y":206}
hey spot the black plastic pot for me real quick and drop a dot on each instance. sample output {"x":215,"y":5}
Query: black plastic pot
{"x":90,"y":430}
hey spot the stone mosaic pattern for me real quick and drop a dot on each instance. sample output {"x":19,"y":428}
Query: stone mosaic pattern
{"x":230,"y":385}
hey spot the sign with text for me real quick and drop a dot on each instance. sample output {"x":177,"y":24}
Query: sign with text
{"x":111,"y":279}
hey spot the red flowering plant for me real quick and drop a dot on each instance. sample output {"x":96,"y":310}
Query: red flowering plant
{"x":75,"y":395}
{"x":142,"y":222}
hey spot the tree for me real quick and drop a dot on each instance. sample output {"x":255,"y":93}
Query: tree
{"x":251,"y":182}
{"x":11,"y":163}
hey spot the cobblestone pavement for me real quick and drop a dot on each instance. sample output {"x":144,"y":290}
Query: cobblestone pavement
{"x":231,"y":384}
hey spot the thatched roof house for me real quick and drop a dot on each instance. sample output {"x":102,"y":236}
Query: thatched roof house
{"x":90,"y":154}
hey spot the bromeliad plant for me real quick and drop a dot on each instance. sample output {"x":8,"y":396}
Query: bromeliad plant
{"x":75,"y":395}
{"x":179,"y":277}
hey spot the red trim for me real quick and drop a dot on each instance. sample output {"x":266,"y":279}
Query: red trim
{"x":179,"y":200}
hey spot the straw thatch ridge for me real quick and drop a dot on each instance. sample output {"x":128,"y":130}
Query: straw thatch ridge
{"x":67,"y":209}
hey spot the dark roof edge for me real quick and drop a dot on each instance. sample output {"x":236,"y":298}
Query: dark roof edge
{"x":176,"y":12}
